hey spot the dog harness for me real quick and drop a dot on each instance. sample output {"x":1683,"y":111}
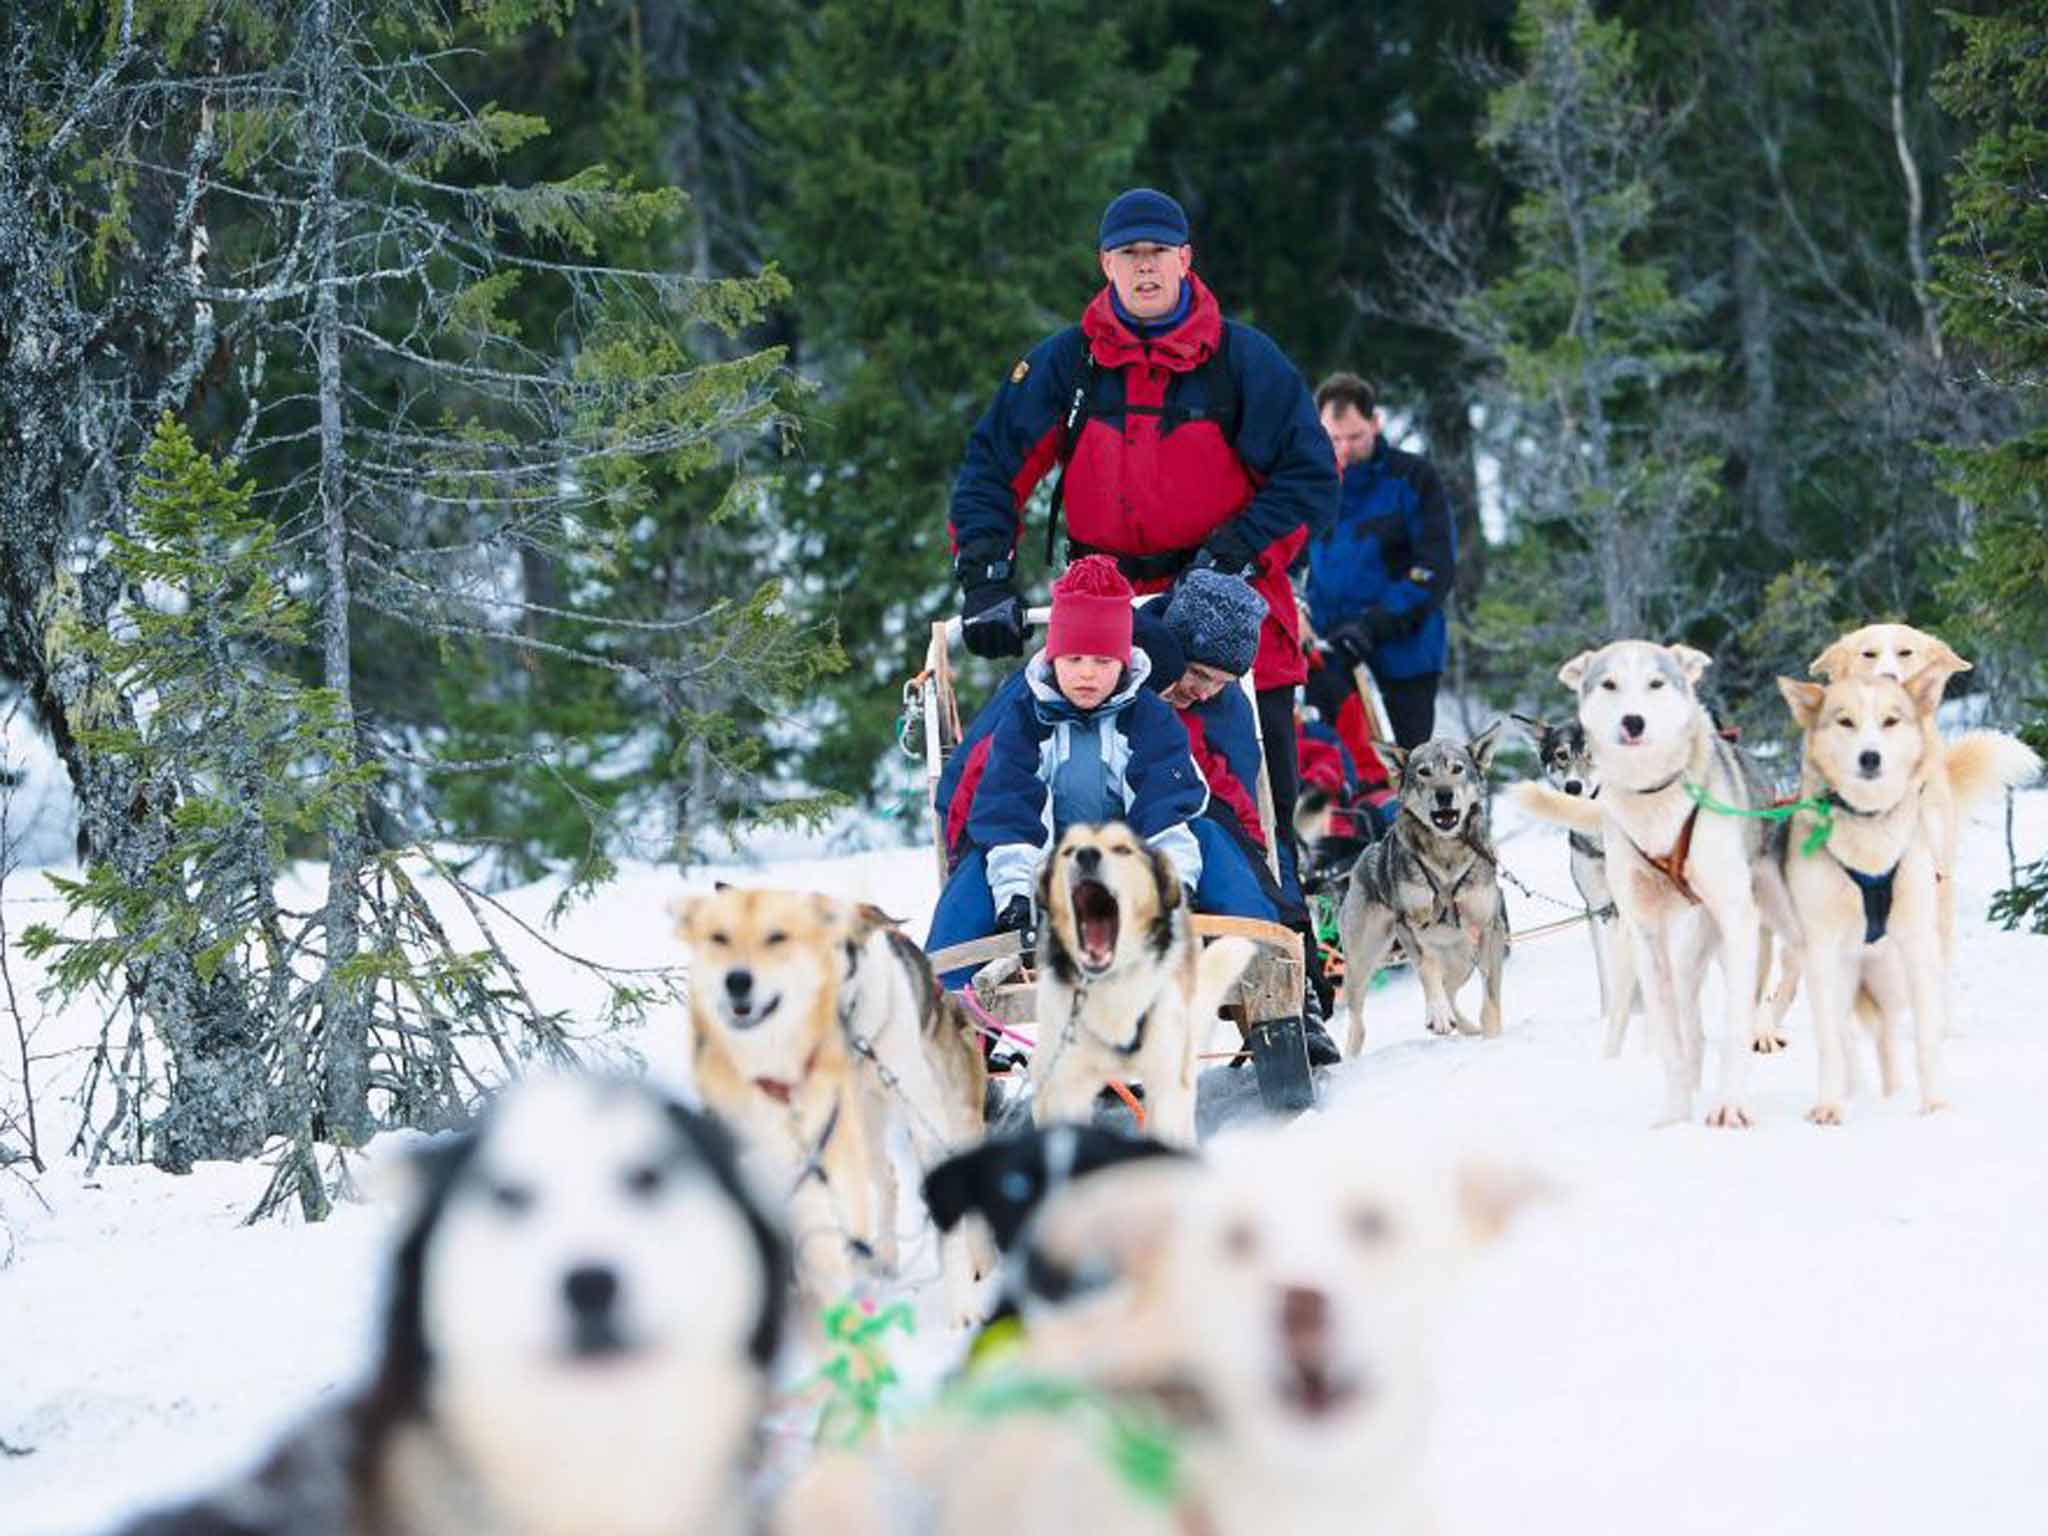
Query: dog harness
{"x":1672,"y":864}
{"x":1876,"y":891}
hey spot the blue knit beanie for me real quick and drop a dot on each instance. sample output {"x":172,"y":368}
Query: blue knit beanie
{"x":1216,"y":618}
{"x":1143,"y":214}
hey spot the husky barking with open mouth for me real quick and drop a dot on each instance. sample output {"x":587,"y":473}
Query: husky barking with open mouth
{"x":1125,"y":990}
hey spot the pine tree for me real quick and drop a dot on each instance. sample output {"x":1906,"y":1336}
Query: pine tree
{"x":288,"y":226}
{"x":1994,"y":288}
{"x":1593,"y":355}
{"x":939,"y":168}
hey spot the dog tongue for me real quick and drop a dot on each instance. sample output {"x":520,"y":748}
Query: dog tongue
{"x":1098,"y":936}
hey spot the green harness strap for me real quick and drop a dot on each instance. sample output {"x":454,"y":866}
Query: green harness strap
{"x":1823,"y":811}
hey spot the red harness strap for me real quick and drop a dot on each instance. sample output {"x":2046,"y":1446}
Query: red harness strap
{"x":1672,"y":865}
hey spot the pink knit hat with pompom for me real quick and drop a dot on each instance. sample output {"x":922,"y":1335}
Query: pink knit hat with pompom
{"x":1091,"y":611}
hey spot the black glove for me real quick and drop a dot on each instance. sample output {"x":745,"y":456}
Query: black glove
{"x":1355,"y":641}
{"x":1228,"y":550}
{"x":1016,"y":918}
{"x":991,"y":613}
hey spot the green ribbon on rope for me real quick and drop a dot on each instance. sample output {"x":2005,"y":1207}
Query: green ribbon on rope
{"x":1817,"y":839}
{"x":859,"y":1373}
{"x":1145,"y":1451}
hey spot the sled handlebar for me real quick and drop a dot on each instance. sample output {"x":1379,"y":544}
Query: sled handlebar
{"x":1036,"y":618}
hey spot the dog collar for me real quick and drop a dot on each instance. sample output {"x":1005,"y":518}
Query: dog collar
{"x":780,"y":1091}
{"x":1655,"y":789}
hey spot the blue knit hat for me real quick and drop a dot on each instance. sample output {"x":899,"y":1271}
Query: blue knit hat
{"x":1142,"y":214}
{"x":1216,"y":618}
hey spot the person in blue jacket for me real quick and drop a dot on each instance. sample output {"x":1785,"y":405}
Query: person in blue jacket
{"x":1378,"y":577}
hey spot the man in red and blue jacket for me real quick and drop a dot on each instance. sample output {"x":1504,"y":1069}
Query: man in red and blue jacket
{"x":1187,"y":441}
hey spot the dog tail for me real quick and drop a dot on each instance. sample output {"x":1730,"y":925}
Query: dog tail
{"x":1222,"y":962}
{"x":1980,"y":763}
{"x":1547,"y":804}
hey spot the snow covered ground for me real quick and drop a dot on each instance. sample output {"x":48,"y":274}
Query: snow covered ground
{"x":1785,"y":1329}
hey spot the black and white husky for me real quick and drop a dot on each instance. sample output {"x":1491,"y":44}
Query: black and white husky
{"x":583,"y":1307}
{"x":1432,"y":883}
{"x":1567,"y":762}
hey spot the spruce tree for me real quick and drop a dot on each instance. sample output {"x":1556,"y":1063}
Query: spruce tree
{"x":939,"y":167}
{"x":1993,"y":285}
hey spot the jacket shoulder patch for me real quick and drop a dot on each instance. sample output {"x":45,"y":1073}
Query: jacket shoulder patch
{"x":1018,"y":373}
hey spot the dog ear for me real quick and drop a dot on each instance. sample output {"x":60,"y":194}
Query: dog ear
{"x":723,"y":885}
{"x":1573,"y":672}
{"x":1045,"y":880}
{"x":406,"y":1175}
{"x":1394,"y":757}
{"x":1830,"y":662}
{"x":1942,"y":663}
{"x":1167,"y":878}
{"x":1485,"y":744}
{"x":680,"y":912}
{"x":1533,"y":728}
{"x":1691,"y":662}
{"x":1941,"y":654}
{"x":951,"y":1187}
{"x":1925,"y":686}
{"x":1803,"y":699}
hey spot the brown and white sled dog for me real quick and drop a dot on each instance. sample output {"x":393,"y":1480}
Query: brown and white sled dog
{"x":581,"y":1321}
{"x":1869,"y":903}
{"x":1125,"y":989}
{"x":1900,"y":652}
{"x":1432,"y":883}
{"x":815,"y":1027}
{"x":1568,"y":767}
{"x":1866,"y":900}
{"x":1683,"y":880}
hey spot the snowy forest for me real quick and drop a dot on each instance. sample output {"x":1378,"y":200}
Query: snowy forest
{"x":454,"y":449}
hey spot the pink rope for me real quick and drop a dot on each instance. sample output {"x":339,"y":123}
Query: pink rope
{"x":990,"y":1025}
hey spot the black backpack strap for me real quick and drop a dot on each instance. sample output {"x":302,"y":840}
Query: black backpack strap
{"x":1079,"y":407}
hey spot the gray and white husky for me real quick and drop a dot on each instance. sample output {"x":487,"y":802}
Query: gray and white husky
{"x":1432,"y":883}
{"x":581,"y":1315}
{"x":1568,"y":767}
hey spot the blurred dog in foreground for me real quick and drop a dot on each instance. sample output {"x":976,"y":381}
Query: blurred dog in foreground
{"x":1274,"y":1331}
{"x":582,"y":1312}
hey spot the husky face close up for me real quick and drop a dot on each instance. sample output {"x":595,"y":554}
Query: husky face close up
{"x":1864,"y":736}
{"x":586,"y":1290}
{"x":1333,"y":1286}
{"x":764,"y":968}
{"x":1443,"y":782}
{"x":1109,"y":900}
{"x":554,"y":1254}
{"x":1638,"y":706}
{"x":1563,"y":755}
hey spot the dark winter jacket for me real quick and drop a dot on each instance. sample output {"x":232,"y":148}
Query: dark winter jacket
{"x":1137,"y":746}
{"x":1392,"y":549}
{"x":1153,"y":472}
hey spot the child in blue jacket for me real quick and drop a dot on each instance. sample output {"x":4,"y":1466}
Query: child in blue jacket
{"x":1082,"y":741}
